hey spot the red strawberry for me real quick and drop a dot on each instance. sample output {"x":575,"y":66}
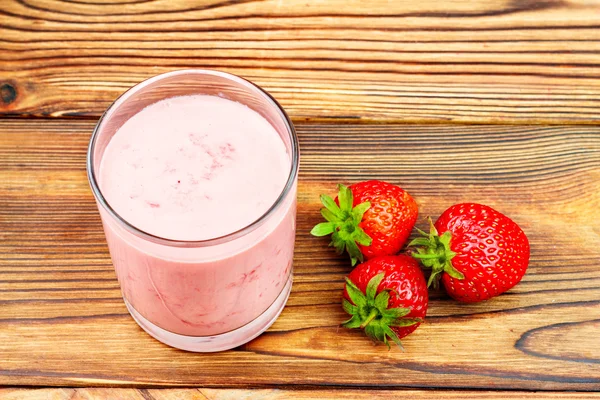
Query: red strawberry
{"x":480,"y":254}
{"x":374,"y":218}
{"x":387,"y":297}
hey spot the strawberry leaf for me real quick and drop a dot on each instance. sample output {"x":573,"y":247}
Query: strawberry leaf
{"x":432,"y":230}
{"x":453,"y":272}
{"x":445,"y":238}
{"x":323,"y":229}
{"x":421,"y":232}
{"x":369,"y":331}
{"x":392,"y":335}
{"x":372,"y":287}
{"x":338,"y":242}
{"x":352,"y":323}
{"x":349,"y":307}
{"x":420,"y":241}
{"x":395,"y":313}
{"x":381,"y":301}
{"x":345,"y":198}
{"x":378,"y":332}
{"x":386,"y":342}
{"x":434,"y":279}
{"x":357,"y":297}
{"x":328,"y":215}
{"x":353,"y":250}
{"x":361,"y":237}
{"x":359,"y":211}
{"x":329,"y":204}
{"x":403,"y":322}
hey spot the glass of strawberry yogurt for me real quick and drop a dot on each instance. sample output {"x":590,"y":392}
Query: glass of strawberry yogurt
{"x":195,"y":175}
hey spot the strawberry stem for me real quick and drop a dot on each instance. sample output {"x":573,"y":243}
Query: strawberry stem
{"x":433,"y":251}
{"x":371,"y":317}
{"x":369,"y":311}
{"x":343,"y":224}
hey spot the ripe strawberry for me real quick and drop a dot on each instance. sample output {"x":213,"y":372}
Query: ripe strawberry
{"x":480,"y":254}
{"x":387,"y":297}
{"x":374,"y":218}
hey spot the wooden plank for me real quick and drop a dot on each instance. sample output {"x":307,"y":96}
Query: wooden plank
{"x":496,"y":61}
{"x":62,"y":321}
{"x":276,"y":394}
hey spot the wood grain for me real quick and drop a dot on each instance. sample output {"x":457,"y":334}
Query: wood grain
{"x":62,"y":321}
{"x":494,"y":61}
{"x":276,"y":394}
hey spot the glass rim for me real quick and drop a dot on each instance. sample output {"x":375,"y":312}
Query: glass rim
{"x":295,"y":160}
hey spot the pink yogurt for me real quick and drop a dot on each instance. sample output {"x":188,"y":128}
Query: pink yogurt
{"x":195,"y":168}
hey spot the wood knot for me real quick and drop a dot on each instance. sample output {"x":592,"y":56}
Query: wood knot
{"x":8,"y":93}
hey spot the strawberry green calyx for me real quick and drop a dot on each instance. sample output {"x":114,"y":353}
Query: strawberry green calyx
{"x":433,"y":251}
{"x":370,"y":312}
{"x":342,"y":223}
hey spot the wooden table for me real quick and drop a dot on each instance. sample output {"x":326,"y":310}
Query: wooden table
{"x":490,"y":101}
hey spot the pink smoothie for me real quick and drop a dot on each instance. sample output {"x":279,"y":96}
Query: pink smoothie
{"x":194,"y":168}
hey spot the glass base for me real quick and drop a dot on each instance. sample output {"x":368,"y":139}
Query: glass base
{"x":224,"y":341}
